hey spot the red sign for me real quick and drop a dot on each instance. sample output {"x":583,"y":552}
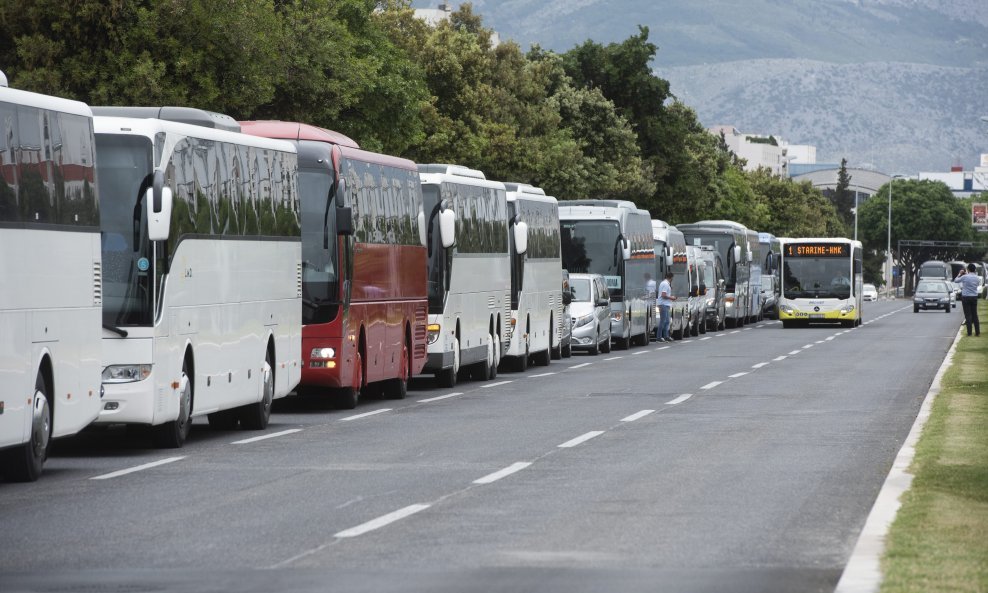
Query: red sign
{"x":979,"y":215}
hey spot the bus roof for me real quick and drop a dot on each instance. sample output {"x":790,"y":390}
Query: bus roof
{"x":185,"y":115}
{"x":296,"y":131}
{"x":150,"y":127}
{"x":452,"y":170}
{"x":27,"y":98}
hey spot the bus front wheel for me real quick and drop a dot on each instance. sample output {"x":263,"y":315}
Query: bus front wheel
{"x":172,"y":435}
{"x":24,"y":463}
{"x":256,"y":416}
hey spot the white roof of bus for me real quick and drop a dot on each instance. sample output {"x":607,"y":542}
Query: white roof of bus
{"x":822,"y":240}
{"x":150,"y":127}
{"x":18,"y":97}
{"x":454,"y":174}
{"x":528,"y":192}
{"x":569,"y":211}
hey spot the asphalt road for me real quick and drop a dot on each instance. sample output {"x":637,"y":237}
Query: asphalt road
{"x":744,"y":460}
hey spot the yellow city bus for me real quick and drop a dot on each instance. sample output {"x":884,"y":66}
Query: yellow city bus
{"x":821,"y":282}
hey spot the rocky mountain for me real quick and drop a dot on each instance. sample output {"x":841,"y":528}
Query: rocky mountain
{"x":895,"y":84}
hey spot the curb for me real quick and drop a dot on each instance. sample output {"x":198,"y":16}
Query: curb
{"x":863,"y":572}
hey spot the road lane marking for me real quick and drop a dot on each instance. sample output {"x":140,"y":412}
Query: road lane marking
{"x":807,"y":346}
{"x":581,"y":365}
{"x":138,"y":468}
{"x":581,"y":439}
{"x":497,"y":384}
{"x":637,"y":416}
{"x":366,"y":414}
{"x":679,"y":399}
{"x":830,"y":338}
{"x":267,"y":436}
{"x":662,"y":348}
{"x":778,"y":358}
{"x":639,"y":352}
{"x":719,"y":335}
{"x":613,"y":358}
{"x":794,"y":352}
{"x":711,"y":385}
{"x":737,"y":331}
{"x":382,"y":521}
{"x":736,"y":375}
{"x":759,"y":365}
{"x":494,"y":477}
{"x":435,"y":399}
{"x":706,"y":338}
{"x":542,"y":375}
{"x":746,"y":329}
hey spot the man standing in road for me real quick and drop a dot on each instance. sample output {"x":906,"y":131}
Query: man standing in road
{"x":665,"y":307}
{"x":969,"y":282}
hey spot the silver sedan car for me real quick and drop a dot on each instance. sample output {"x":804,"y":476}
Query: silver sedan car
{"x":590,"y":310}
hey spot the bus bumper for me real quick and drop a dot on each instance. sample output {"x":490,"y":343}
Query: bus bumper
{"x":137,"y":403}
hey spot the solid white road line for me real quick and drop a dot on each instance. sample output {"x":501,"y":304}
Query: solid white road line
{"x":358,"y":416}
{"x":435,"y":399}
{"x":711,"y":385}
{"x":382,"y":521}
{"x":581,"y":439}
{"x":679,"y":399}
{"x":759,"y":365}
{"x":267,"y":436}
{"x":496,"y":384}
{"x":736,"y":375}
{"x":541,"y":375}
{"x":637,"y":416}
{"x":138,"y":468}
{"x":778,"y":358}
{"x":586,"y":364}
{"x":514,"y":467}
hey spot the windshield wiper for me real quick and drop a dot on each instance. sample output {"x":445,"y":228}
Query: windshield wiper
{"x":119,"y":331}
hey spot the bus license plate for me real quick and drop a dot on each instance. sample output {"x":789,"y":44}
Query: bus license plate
{"x":816,"y":316}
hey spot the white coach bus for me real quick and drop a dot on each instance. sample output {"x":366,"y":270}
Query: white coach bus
{"x":469,"y":272}
{"x":614,"y":239}
{"x":536,"y":276}
{"x":50,"y":279}
{"x":202,"y":271}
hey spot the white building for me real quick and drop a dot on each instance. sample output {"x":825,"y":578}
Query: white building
{"x":760,"y":152}
{"x":962,"y":183}
{"x":434,"y":16}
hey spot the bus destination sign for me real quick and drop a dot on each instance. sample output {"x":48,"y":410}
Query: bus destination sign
{"x":817,"y":250}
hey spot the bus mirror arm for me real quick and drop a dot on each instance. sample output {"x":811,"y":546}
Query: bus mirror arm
{"x":344,"y":215}
{"x":159,"y":206}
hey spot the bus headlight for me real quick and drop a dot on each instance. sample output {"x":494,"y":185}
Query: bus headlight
{"x":322,"y":353}
{"x":846,"y":309}
{"x":126,"y":373}
{"x":434,"y":329}
{"x":785,"y":309}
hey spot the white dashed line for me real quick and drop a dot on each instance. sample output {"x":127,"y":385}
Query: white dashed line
{"x":736,"y":375}
{"x":794,"y":352}
{"x":514,"y":467}
{"x":639,"y":352}
{"x":435,"y":399}
{"x":267,"y":436}
{"x":706,"y":338}
{"x":719,"y":335}
{"x":679,"y":399}
{"x":613,"y":358}
{"x":737,"y":331}
{"x":581,"y":439}
{"x":807,"y":346}
{"x":496,"y":384}
{"x":541,"y":375}
{"x":382,"y":521}
{"x":662,"y":348}
{"x":637,"y":416}
{"x":359,"y":416}
{"x":759,"y":365}
{"x":830,"y":338}
{"x":579,"y":366}
{"x":819,"y":342}
{"x":138,"y":468}
{"x":711,"y":385}
{"x":778,"y":358}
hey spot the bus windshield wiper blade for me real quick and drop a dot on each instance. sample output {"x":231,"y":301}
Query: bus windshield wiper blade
{"x":119,"y":331}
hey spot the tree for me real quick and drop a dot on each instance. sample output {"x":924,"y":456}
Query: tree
{"x":843,"y":197}
{"x":921,"y":211}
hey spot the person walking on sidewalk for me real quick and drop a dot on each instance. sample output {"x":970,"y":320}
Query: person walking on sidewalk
{"x":969,"y":282}
{"x":665,"y":307}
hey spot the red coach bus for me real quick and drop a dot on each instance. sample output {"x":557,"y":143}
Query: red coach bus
{"x":364,"y":300}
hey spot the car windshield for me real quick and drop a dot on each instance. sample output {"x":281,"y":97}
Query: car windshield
{"x":581,"y":289}
{"x":931,"y":287}
{"x":870,"y":288}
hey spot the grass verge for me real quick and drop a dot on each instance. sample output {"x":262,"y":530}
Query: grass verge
{"x":939,"y":539}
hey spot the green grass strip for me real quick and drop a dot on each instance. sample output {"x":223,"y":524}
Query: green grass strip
{"x":939,"y":539}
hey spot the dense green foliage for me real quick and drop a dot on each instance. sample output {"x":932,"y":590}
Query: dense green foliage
{"x":592,"y":122}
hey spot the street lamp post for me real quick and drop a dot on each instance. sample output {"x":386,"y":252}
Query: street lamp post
{"x":888,"y":246}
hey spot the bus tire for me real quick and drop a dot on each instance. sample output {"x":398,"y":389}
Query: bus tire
{"x":567,"y":350}
{"x":348,"y":397}
{"x":257,"y":415}
{"x":172,"y":434}
{"x":447,"y":377}
{"x":25,"y":462}
{"x":397,"y":388}
{"x":482,"y":370}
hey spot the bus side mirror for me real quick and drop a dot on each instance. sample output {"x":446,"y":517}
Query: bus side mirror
{"x":521,"y":237}
{"x":626,"y":249}
{"x":423,"y":232}
{"x":447,"y":227}
{"x":159,"y":208}
{"x":737,"y":254}
{"x":344,"y":221}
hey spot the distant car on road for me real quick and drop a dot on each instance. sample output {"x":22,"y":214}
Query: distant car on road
{"x":955,"y":289}
{"x":933,"y":294}
{"x":770,"y":299}
{"x":869,"y":292}
{"x":590,"y":310}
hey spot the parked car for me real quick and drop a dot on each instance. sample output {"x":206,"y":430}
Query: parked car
{"x":955,"y":289}
{"x":770,"y":298}
{"x":869,"y":292}
{"x":933,"y":294}
{"x":590,"y":311}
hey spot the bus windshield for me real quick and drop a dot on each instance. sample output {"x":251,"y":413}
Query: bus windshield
{"x":816,"y":278}
{"x":592,"y":247}
{"x":319,"y":261}
{"x":123,"y":163}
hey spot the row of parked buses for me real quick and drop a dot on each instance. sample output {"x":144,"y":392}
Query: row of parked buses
{"x":164,"y":264}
